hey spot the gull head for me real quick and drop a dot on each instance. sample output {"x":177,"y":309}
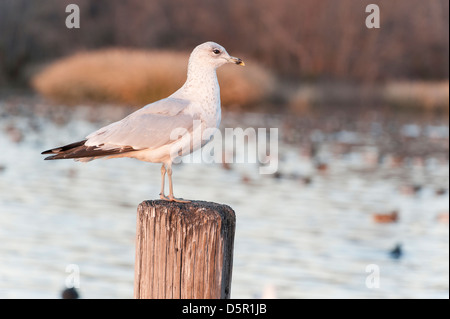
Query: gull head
{"x":212,"y":54}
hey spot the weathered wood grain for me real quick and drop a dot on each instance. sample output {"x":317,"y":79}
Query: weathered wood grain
{"x":184,"y":250}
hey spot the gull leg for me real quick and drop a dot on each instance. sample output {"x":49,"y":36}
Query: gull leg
{"x":171,"y":197}
{"x":163,"y":177}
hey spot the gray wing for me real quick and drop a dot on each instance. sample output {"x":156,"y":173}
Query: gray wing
{"x":147,"y":128}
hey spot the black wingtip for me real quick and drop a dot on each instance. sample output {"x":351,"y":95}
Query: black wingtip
{"x":79,"y":150}
{"x":63,"y":148}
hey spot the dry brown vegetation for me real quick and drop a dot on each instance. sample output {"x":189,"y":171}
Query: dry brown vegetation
{"x":430,"y":95}
{"x":421,"y":94}
{"x":306,"y":40}
{"x":138,"y":77}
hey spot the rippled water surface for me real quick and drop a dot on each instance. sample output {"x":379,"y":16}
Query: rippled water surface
{"x":307,"y":231}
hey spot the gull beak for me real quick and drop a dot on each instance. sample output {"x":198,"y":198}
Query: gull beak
{"x":237,"y":61}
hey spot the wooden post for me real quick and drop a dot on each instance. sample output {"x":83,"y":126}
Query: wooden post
{"x":183,"y":250}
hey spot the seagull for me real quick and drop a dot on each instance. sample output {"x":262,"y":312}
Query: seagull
{"x":163,"y":130}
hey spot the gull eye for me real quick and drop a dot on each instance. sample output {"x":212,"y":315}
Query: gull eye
{"x":216,"y":51}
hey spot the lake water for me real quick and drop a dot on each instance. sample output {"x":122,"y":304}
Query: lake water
{"x":307,"y":231}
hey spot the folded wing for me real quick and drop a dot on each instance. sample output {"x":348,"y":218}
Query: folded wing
{"x":153,"y":126}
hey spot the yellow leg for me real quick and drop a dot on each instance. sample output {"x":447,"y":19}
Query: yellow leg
{"x":163,"y":177}
{"x":171,"y":197}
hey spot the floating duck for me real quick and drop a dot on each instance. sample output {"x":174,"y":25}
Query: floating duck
{"x":391,"y":217}
{"x":443,"y":218}
{"x":321,"y":167}
{"x":70,"y":293}
{"x":397,"y":252}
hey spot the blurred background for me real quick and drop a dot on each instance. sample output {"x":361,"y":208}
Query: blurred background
{"x":362,"y":115}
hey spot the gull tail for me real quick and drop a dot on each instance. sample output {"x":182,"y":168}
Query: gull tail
{"x":81,"y":152}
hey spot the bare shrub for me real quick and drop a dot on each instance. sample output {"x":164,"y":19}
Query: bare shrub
{"x":139,"y":77}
